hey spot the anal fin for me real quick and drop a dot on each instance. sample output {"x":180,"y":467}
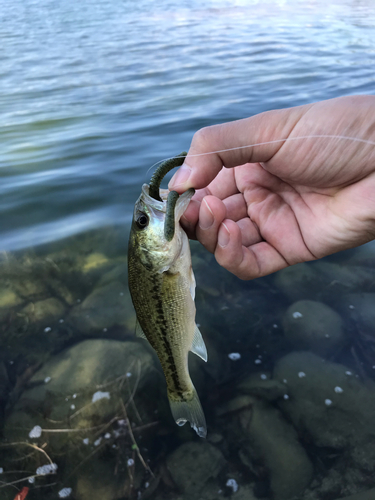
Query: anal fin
{"x":138,"y":331}
{"x":198,"y":346}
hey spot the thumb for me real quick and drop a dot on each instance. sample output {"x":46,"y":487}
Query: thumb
{"x":232,"y":144}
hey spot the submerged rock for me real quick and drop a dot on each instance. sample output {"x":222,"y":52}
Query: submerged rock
{"x":8,"y":298}
{"x":193,"y":464}
{"x":298,"y":282}
{"x":106,"y":306}
{"x":262,"y":385}
{"x":45,"y":312}
{"x":313,"y":325}
{"x":327,"y":401}
{"x":82,"y":388}
{"x":265,"y":437}
{"x":359,"y":308}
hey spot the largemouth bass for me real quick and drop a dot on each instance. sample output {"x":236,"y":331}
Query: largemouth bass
{"x":162,"y":287}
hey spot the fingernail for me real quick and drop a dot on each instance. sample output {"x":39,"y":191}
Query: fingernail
{"x":223,"y":236}
{"x":180,"y":177}
{"x":206,"y":217}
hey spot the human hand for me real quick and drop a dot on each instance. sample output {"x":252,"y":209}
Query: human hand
{"x":281,"y":203}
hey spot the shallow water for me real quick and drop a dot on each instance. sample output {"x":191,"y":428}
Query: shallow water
{"x":92,"y":95}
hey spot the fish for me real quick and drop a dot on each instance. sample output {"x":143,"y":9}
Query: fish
{"x":162,"y":288}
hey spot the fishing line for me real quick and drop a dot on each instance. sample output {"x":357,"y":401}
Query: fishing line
{"x":314,"y":136}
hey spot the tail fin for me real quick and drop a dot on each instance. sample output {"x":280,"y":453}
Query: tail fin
{"x":189,"y":411}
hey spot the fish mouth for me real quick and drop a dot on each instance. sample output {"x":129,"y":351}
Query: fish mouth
{"x":161,"y":199}
{"x":152,"y":202}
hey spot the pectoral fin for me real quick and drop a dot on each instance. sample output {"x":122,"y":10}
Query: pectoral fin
{"x":198,"y":347}
{"x":138,"y":331}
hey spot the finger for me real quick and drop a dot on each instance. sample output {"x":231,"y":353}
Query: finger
{"x":245,"y":262}
{"x":211,"y":214}
{"x":236,"y":207}
{"x":234,"y":143}
{"x":249,"y":232}
{"x":190,"y":217}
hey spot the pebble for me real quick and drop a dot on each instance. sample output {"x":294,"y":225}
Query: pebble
{"x":47,"y":379}
{"x":338,"y":390}
{"x":1,"y":470}
{"x":328,"y":402}
{"x":348,"y":373}
{"x":48,"y":329}
{"x":98,"y":441}
{"x":107,"y":435}
{"x":286,"y":396}
{"x":72,"y":407}
{"x":86,"y":441}
{"x":257,"y":361}
{"x":130,"y":462}
{"x":263,"y":376}
{"x":301,"y":374}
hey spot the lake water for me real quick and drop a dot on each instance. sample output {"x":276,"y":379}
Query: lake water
{"x":92,"y":94}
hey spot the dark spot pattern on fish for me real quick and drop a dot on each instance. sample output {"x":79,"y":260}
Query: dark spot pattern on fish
{"x":161,"y":322}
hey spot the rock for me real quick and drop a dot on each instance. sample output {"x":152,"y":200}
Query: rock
{"x":193,"y":464}
{"x":4,"y":381}
{"x":363,"y":495}
{"x":313,"y":325}
{"x":267,"y":438}
{"x":298,"y":282}
{"x":45,"y":312}
{"x":327,"y":400}
{"x":97,"y":481}
{"x":82,"y":387}
{"x":93,"y":261}
{"x":359,"y":308}
{"x":28,"y":288}
{"x":323,"y":280}
{"x":8,"y":298}
{"x":105,"y":307}
{"x":118,"y":273}
{"x":266,"y":388}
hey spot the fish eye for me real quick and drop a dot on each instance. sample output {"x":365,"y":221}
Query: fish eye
{"x":142,"y":220}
